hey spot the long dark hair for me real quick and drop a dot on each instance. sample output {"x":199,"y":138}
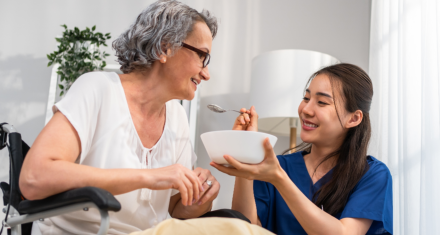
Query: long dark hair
{"x":357,"y":92}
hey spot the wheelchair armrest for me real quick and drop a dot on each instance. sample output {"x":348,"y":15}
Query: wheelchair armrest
{"x":100,"y":197}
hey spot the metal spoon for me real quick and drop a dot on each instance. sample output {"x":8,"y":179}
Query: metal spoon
{"x":218,"y":109}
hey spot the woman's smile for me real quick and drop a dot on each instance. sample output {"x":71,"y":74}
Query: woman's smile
{"x":195,"y":82}
{"x":308,"y":126}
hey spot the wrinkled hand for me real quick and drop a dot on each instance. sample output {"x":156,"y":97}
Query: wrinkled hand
{"x":177,"y":177}
{"x":269,"y":170}
{"x":248,"y":121}
{"x":209,"y":193}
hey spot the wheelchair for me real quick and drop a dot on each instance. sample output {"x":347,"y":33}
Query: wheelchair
{"x":20,"y":212}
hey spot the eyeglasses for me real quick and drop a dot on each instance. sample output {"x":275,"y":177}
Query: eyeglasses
{"x":204,"y":56}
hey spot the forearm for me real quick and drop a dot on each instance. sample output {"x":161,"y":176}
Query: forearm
{"x":187,"y":212}
{"x":243,"y":199}
{"x":312,"y":219}
{"x":52,"y":177}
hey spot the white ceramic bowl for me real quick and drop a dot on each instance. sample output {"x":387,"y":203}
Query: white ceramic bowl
{"x":245,"y":146}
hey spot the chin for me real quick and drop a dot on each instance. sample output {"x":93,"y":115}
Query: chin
{"x":306,"y":139}
{"x":189,"y":96}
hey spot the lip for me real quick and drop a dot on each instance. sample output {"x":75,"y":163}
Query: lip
{"x":307,"y":128}
{"x":198,"y":82}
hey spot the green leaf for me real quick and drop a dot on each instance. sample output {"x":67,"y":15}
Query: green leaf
{"x":49,"y":64}
{"x":61,"y":86}
{"x":61,"y":93}
{"x":73,"y":61}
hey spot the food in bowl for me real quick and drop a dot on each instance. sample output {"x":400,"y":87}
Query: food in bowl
{"x":244,"y":146}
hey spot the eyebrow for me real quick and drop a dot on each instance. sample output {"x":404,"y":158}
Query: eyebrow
{"x":321,"y":94}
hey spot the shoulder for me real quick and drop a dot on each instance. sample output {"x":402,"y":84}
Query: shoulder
{"x":289,"y":159}
{"x":96,"y":79}
{"x":377,"y":167}
{"x":291,"y":162}
{"x":378,"y":174}
{"x":90,"y":89}
{"x":95,"y":82}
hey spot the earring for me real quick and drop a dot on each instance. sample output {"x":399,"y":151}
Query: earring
{"x":163,"y":60}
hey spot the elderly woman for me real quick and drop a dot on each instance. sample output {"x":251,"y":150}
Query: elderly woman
{"x":125,"y":134}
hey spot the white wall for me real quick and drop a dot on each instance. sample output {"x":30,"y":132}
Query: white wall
{"x":247,"y":28}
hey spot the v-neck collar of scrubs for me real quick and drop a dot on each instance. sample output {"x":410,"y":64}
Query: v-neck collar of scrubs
{"x":318,"y":184}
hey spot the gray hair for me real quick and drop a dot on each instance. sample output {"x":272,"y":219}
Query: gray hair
{"x":164,"y":25}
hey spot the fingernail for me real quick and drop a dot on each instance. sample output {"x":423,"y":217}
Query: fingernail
{"x":203,"y":189}
{"x":194,"y":200}
{"x":200,"y":203}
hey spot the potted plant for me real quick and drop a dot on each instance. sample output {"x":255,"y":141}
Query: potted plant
{"x":78,"y":53}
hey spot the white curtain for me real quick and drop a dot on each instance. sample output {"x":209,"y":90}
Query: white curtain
{"x":405,"y":69}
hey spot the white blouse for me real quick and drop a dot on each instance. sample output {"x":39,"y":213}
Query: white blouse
{"x":97,"y":108}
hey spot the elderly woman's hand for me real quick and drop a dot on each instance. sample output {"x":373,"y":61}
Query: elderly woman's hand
{"x":248,"y":121}
{"x":211,"y":190}
{"x":177,"y":177}
{"x":269,"y":170}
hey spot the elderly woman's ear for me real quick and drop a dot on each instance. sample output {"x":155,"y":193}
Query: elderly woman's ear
{"x":163,"y":59}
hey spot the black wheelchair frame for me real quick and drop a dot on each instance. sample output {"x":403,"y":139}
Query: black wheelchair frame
{"x":20,"y":212}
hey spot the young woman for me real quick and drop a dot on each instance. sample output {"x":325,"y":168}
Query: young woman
{"x":330,"y":185}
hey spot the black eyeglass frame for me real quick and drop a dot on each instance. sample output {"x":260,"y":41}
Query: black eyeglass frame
{"x":207,"y":56}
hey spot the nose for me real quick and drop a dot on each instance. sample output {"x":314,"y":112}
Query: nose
{"x":307,"y":109}
{"x":204,"y":73}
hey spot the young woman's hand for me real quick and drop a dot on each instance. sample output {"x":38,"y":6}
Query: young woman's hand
{"x":248,"y":121}
{"x":269,"y":170}
{"x":177,"y":177}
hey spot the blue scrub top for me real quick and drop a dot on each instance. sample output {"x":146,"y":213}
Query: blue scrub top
{"x":371,"y":198}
